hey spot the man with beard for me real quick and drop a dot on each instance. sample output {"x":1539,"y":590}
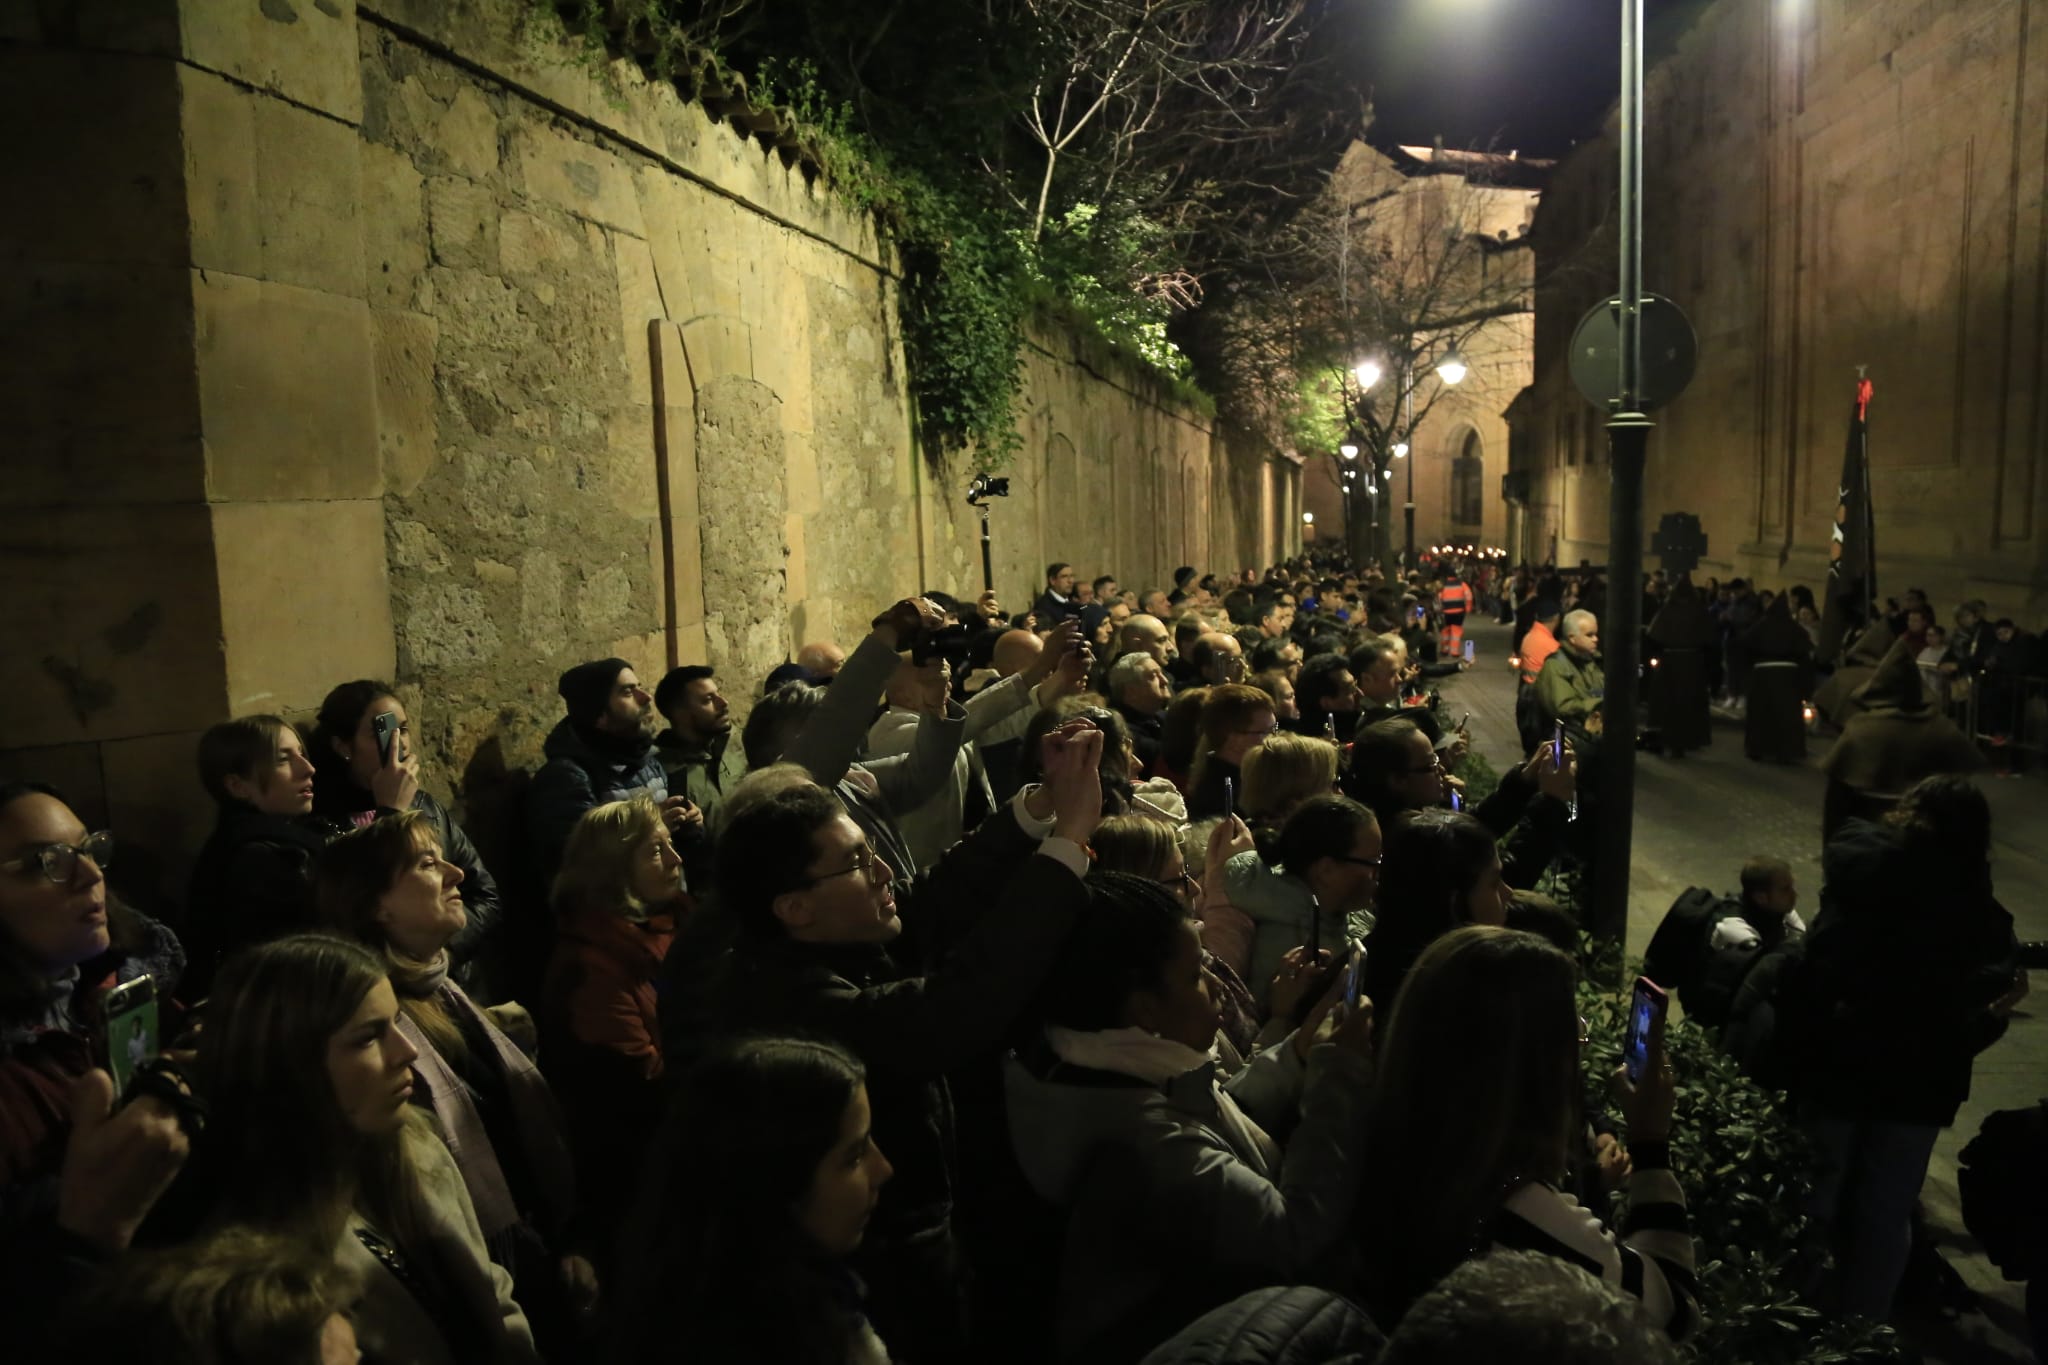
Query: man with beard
{"x":698,"y":755}
{"x":603,"y":750}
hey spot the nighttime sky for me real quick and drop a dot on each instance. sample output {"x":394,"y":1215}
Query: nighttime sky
{"x":1532,"y":75}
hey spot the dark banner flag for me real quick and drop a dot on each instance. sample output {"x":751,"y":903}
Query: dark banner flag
{"x":1852,"y":553}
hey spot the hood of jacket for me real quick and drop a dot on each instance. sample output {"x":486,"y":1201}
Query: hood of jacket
{"x":1281,"y":1325}
{"x":570,"y":741}
{"x":1896,"y":684}
{"x":1263,"y":890}
{"x":1682,"y":622}
{"x":1060,"y":1115}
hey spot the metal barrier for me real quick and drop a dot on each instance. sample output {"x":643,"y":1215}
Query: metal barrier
{"x":2007,"y":716}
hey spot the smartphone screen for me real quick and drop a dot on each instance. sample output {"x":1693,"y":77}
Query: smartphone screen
{"x":1354,"y":974}
{"x":385,"y":727}
{"x":1557,"y":746}
{"x":1643,"y":1008}
{"x":1471,"y":648}
{"x":1229,"y":797}
{"x":131,"y":1030}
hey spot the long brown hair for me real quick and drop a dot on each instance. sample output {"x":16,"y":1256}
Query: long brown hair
{"x":356,"y":871}
{"x":293,"y":1163}
{"x":1476,"y":1092}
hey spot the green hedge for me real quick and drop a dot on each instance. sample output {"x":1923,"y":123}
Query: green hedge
{"x":1746,"y":1171}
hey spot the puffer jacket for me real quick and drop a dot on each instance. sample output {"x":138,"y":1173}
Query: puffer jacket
{"x":1170,"y":1210}
{"x":1282,"y":1325}
{"x":253,"y":882}
{"x":578,"y":776}
{"x":1283,"y":914}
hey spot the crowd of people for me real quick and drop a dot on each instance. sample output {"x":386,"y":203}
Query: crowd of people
{"x":1031,"y":987}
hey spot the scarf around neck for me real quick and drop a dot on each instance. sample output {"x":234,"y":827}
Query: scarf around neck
{"x":418,"y":980}
{"x":1129,"y":1052}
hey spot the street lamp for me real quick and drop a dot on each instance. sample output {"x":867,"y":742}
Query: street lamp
{"x":1451,"y":369}
{"x":1348,"y":451}
{"x":1368,"y":374}
{"x":1308,"y":518}
{"x":1400,"y":450}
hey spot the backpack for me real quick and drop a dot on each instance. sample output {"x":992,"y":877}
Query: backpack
{"x":1681,"y":956}
{"x":2003,"y":1180}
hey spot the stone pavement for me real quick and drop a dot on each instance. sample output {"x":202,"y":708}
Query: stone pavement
{"x":1698,"y":817}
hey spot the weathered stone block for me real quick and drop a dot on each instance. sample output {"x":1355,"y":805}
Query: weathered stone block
{"x":97,"y":171}
{"x":287,"y":391}
{"x":304,"y":50}
{"x":285,"y":565}
{"x":467,"y":134}
{"x":579,"y":177}
{"x":530,"y":247}
{"x":307,"y":183}
{"x":116,"y":627}
{"x":394,"y":227}
{"x":408,"y":429}
{"x":106,"y":398}
{"x":462,"y":224}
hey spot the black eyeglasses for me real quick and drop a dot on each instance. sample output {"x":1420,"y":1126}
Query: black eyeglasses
{"x":1186,"y":883}
{"x":1436,"y":765}
{"x":865,"y":861}
{"x":1361,"y":862}
{"x":59,"y":862}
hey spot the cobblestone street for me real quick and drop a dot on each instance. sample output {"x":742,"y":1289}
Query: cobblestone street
{"x":1697,"y":819}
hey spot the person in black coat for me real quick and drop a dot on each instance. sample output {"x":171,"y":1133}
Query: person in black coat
{"x":1909,"y":972}
{"x":357,"y":778}
{"x":254,"y":878}
{"x":1681,"y":630}
{"x":917,"y":979}
{"x":1056,"y":603}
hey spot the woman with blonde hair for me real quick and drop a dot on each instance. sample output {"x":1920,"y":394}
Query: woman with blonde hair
{"x":617,"y":900}
{"x":388,"y":886}
{"x":308,"y":1072}
{"x":1282,"y":773}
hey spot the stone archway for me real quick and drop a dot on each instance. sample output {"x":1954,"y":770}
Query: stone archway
{"x":1466,"y":510}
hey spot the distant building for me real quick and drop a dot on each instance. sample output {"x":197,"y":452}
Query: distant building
{"x":1826,"y":186}
{"x":1485,"y":203}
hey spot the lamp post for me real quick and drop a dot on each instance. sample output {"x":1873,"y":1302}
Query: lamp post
{"x":1452,"y":371}
{"x":1628,"y":434}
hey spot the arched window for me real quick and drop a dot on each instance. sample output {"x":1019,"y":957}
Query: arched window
{"x":1468,"y":483}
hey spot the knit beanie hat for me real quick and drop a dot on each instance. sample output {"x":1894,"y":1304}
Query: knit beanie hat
{"x":587,"y":688}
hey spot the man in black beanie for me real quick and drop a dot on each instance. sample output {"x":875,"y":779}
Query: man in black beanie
{"x":602,"y":751}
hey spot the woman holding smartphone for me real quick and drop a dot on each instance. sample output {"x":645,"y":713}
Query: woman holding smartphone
{"x":309,"y":1076}
{"x":1480,"y":1082}
{"x":1180,"y":1190}
{"x":364,"y":766}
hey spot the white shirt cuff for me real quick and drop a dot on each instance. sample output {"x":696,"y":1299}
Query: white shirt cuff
{"x":1067,"y":854}
{"x":1029,"y":823}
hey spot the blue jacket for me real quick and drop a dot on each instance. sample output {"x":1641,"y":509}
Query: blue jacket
{"x":577,"y":777}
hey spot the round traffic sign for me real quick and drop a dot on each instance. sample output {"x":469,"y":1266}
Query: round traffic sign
{"x":1670,"y":352}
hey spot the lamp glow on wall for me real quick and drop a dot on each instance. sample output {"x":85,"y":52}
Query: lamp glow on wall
{"x":1367,"y":372}
{"x":1451,"y":369}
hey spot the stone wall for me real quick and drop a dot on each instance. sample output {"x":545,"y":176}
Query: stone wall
{"x":398,"y":339}
{"x":1850,"y":182}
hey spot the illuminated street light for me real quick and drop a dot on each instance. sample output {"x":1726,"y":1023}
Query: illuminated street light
{"x":1368,"y":373}
{"x":1451,"y":369}
{"x":1348,"y":451}
{"x":1387,"y":474}
{"x":1308,"y":518}
{"x":1400,"y":450}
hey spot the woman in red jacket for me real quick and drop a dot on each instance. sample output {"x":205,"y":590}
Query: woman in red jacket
{"x":616,"y":900}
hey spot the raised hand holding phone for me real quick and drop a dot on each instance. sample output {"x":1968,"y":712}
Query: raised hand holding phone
{"x":1650,"y":1098}
{"x":397,"y":779}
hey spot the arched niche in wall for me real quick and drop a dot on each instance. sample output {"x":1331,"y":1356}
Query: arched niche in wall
{"x":1467,"y":510}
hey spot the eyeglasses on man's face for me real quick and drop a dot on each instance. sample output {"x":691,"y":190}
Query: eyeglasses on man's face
{"x":59,"y":862}
{"x":1357,"y":861}
{"x":865,"y":861}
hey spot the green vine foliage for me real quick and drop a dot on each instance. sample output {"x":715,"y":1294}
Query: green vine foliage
{"x":972,"y":278}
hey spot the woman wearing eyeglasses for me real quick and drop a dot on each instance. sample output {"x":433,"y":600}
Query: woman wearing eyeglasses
{"x":1236,"y":719}
{"x":1310,"y":884}
{"x":1479,"y":1083}
{"x":64,"y":943}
